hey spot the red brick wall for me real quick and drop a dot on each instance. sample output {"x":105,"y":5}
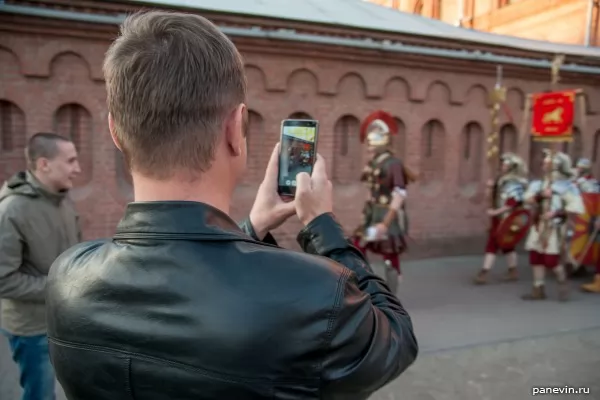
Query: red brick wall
{"x":39,"y":75}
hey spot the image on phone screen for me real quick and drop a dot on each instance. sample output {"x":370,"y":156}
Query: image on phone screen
{"x":298,"y":145}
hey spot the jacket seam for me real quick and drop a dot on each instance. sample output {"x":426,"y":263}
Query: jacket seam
{"x":337,"y":305}
{"x":177,"y":364}
{"x":128,"y":377}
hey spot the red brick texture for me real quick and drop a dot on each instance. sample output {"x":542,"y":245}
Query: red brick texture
{"x":55,"y":83}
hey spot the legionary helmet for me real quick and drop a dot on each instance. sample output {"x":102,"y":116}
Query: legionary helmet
{"x":584,"y":164}
{"x":377,"y":128}
{"x":516,"y":164}
{"x":562,"y":166}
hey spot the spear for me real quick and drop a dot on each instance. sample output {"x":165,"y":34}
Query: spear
{"x":545,"y":227}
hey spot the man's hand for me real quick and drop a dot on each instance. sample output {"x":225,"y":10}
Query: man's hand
{"x":314,"y":194}
{"x":269,"y":210}
{"x":381,"y":229}
{"x":492,"y":212}
{"x":549,"y":215}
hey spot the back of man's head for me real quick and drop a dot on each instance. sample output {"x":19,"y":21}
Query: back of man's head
{"x":42,"y":145}
{"x":172,"y":79}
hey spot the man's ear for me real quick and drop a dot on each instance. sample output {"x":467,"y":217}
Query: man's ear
{"x":113,"y":133}
{"x":234,"y":130}
{"x":41,"y":164}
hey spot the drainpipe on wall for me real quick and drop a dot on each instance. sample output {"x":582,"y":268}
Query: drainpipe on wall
{"x":461,"y":13}
{"x":588,"y":25}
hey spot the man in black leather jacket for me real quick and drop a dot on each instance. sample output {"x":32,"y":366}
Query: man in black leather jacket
{"x":182,"y":303}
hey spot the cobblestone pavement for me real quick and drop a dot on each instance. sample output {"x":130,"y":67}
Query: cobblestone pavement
{"x":477,"y":342}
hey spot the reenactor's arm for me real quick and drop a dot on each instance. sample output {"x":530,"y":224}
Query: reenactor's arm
{"x":399,"y":192}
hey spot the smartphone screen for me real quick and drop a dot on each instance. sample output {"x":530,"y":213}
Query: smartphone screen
{"x":297,"y":152}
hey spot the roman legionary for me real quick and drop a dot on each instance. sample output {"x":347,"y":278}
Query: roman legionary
{"x":586,"y":183}
{"x":583,"y":177}
{"x":384,"y":224}
{"x":554,"y":198}
{"x":507,"y":194}
{"x":594,"y":286}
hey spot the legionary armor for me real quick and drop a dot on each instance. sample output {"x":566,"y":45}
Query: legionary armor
{"x":385,"y":177}
{"x":511,"y":186}
{"x":586,"y":183}
{"x":583,"y":177}
{"x":546,"y":238}
{"x":508,"y":195}
{"x":565,"y":199}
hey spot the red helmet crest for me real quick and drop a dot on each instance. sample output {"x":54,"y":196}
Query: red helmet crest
{"x":382,"y":115}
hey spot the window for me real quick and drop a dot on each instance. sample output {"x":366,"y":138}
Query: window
{"x":75,"y":122}
{"x":12,"y":125}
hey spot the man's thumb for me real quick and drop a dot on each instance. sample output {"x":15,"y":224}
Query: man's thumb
{"x":302,"y":183}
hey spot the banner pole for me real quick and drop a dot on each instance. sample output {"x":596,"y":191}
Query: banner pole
{"x":498,"y":97}
{"x":545,"y":227}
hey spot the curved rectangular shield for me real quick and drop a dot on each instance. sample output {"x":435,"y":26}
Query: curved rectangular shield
{"x":585,"y":243}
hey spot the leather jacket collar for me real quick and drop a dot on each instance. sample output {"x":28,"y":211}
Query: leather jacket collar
{"x":177,"y":219}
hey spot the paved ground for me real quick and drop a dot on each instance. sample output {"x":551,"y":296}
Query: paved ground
{"x":477,"y":343}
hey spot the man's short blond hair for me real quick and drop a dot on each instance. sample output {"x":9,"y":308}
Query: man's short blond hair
{"x":171,"y":81}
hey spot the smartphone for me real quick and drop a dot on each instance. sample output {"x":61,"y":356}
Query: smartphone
{"x":297,"y":152}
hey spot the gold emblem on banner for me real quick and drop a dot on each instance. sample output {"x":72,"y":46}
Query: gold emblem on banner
{"x":554,"y":116}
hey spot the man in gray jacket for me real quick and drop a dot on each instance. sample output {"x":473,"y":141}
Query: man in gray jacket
{"x":37,"y":223}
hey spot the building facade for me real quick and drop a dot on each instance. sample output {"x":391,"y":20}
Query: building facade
{"x":51,"y":79}
{"x":560,"y":21}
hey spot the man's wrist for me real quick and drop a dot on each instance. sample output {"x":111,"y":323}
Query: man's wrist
{"x":307,"y":221}
{"x":322,"y":235}
{"x":260,"y":228}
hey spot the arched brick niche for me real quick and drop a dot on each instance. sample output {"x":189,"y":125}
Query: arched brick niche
{"x":399,"y":140}
{"x":258,"y":152}
{"x":348,"y":153}
{"x":300,"y":115}
{"x":303,"y":83}
{"x":439,"y":92}
{"x":433,"y":154}
{"x":13,"y":138}
{"x":508,"y":139}
{"x":477,"y":96}
{"x":471,"y":155}
{"x":75,"y":122}
{"x":353,"y":86}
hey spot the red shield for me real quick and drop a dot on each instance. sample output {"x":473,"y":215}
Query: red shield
{"x":513,"y":228}
{"x":585,"y":246}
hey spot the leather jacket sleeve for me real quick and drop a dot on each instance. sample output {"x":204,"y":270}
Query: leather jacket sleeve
{"x":248,"y":229}
{"x":371,"y":340}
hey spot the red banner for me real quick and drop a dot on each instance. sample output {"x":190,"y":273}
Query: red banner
{"x":553,"y":114}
